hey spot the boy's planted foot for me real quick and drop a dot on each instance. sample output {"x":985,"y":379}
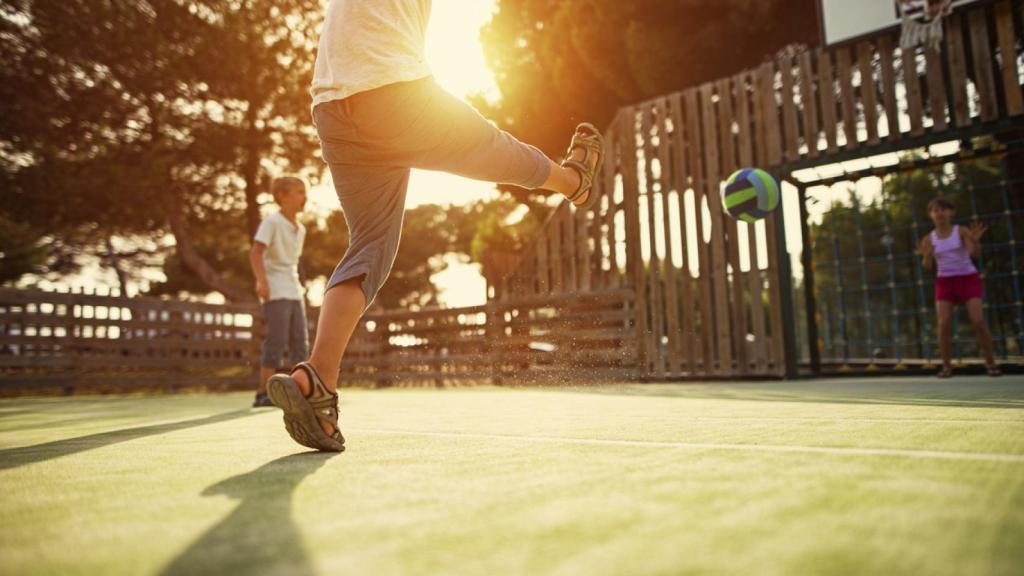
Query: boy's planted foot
{"x":302,"y":379}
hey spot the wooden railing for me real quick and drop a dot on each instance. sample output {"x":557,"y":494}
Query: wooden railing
{"x":69,"y":340}
{"x":702,"y":308}
{"x":569,"y":338}
{"x":66,"y":339}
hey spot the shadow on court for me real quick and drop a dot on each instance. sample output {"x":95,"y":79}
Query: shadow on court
{"x":260,"y":534}
{"x":976,"y":392}
{"x":15,"y":457}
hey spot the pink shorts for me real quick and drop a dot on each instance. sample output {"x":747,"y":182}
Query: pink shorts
{"x":959,"y":289}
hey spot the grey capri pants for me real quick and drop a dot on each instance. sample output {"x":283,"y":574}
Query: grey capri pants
{"x":372,"y":139}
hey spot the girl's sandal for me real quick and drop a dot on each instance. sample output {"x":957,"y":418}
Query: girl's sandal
{"x":946,"y":372}
{"x":588,"y":139}
{"x":994,"y":371}
{"x":302,"y":414}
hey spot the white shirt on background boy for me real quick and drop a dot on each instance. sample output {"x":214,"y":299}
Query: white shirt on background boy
{"x":284,"y":241}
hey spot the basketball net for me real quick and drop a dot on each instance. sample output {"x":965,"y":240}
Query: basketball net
{"x":922,"y":22}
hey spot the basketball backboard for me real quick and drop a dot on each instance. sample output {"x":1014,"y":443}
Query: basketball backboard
{"x":847,"y":20}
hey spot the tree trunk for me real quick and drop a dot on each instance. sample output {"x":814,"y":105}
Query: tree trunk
{"x":251,"y":171}
{"x":115,"y":263}
{"x":198,"y":265}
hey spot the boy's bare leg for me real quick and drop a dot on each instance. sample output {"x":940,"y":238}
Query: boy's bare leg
{"x":343,"y":306}
{"x":984,"y":336}
{"x":565,"y":181}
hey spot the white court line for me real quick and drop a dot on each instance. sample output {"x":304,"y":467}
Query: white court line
{"x":940,"y":454}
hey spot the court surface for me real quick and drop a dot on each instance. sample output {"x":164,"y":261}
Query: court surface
{"x":884,"y":476}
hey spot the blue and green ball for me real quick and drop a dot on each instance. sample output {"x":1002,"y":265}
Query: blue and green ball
{"x":750,"y":194}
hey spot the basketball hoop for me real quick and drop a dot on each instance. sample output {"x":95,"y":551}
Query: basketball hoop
{"x":922,"y":22}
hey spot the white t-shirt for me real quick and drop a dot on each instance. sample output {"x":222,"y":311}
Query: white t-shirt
{"x":366,"y":44}
{"x":281,"y":258}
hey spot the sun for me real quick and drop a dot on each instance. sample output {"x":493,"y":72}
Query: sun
{"x":453,"y":48}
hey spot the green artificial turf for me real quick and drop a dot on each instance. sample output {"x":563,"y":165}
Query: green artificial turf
{"x":880,"y":476}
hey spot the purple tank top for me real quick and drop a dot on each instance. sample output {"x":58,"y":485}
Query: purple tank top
{"x":951,"y":255}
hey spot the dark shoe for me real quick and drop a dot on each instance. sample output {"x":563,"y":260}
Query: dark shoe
{"x":262,"y":401}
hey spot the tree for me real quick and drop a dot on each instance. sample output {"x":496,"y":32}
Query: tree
{"x":139,"y":119}
{"x":558,"y":63}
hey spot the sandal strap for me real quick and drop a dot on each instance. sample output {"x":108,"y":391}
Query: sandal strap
{"x":586,"y":177}
{"x":326,"y":402}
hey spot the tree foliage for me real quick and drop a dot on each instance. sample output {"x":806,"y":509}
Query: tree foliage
{"x":142,"y":118}
{"x":558,"y":63}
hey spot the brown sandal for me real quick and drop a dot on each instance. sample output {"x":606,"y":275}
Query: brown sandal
{"x":302,"y":414}
{"x":587,"y":138}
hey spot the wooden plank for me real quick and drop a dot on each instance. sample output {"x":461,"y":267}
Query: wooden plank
{"x":672,"y":360}
{"x":1008,"y":56}
{"x":954,"y":39}
{"x":809,"y":104}
{"x":981,"y":52}
{"x":770,"y":116}
{"x":892,"y":111}
{"x":846,"y":97}
{"x":868,"y":91}
{"x":571,"y":249}
{"x":693,"y":128}
{"x":912,"y":82}
{"x":657,"y":304}
{"x":729,"y":165}
{"x":718,"y":258}
{"x":757,"y":324}
{"x":634,"y":260}
{"x":791,"y":135}
{"x":557,"y":256}
{"x":936,"y":89}
{"x":584,"y":220}
{"x":610,"y":231}
{"x":774,"y":297}
{"x":827,"y":96}
{"x":745,"y":138}
{"x":757,"y":93}
{"x":725,"y":122}
{"x":681,"y":145}
{"x":543,"y":270}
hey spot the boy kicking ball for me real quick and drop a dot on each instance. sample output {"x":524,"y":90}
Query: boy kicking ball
{"x":379,"y":113}
{"x":950,"y":248}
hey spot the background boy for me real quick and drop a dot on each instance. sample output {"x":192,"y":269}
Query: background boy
{"x":274,"y":257}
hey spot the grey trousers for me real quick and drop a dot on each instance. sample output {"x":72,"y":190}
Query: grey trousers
{"x":372,"y":139}
{"x":286,"y":328}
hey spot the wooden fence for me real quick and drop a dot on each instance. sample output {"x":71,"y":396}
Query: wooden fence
{"x":714,"y":295}
{"x":566,"y":338}
{"x":65,"y":339}
{"x":74,"y":339}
